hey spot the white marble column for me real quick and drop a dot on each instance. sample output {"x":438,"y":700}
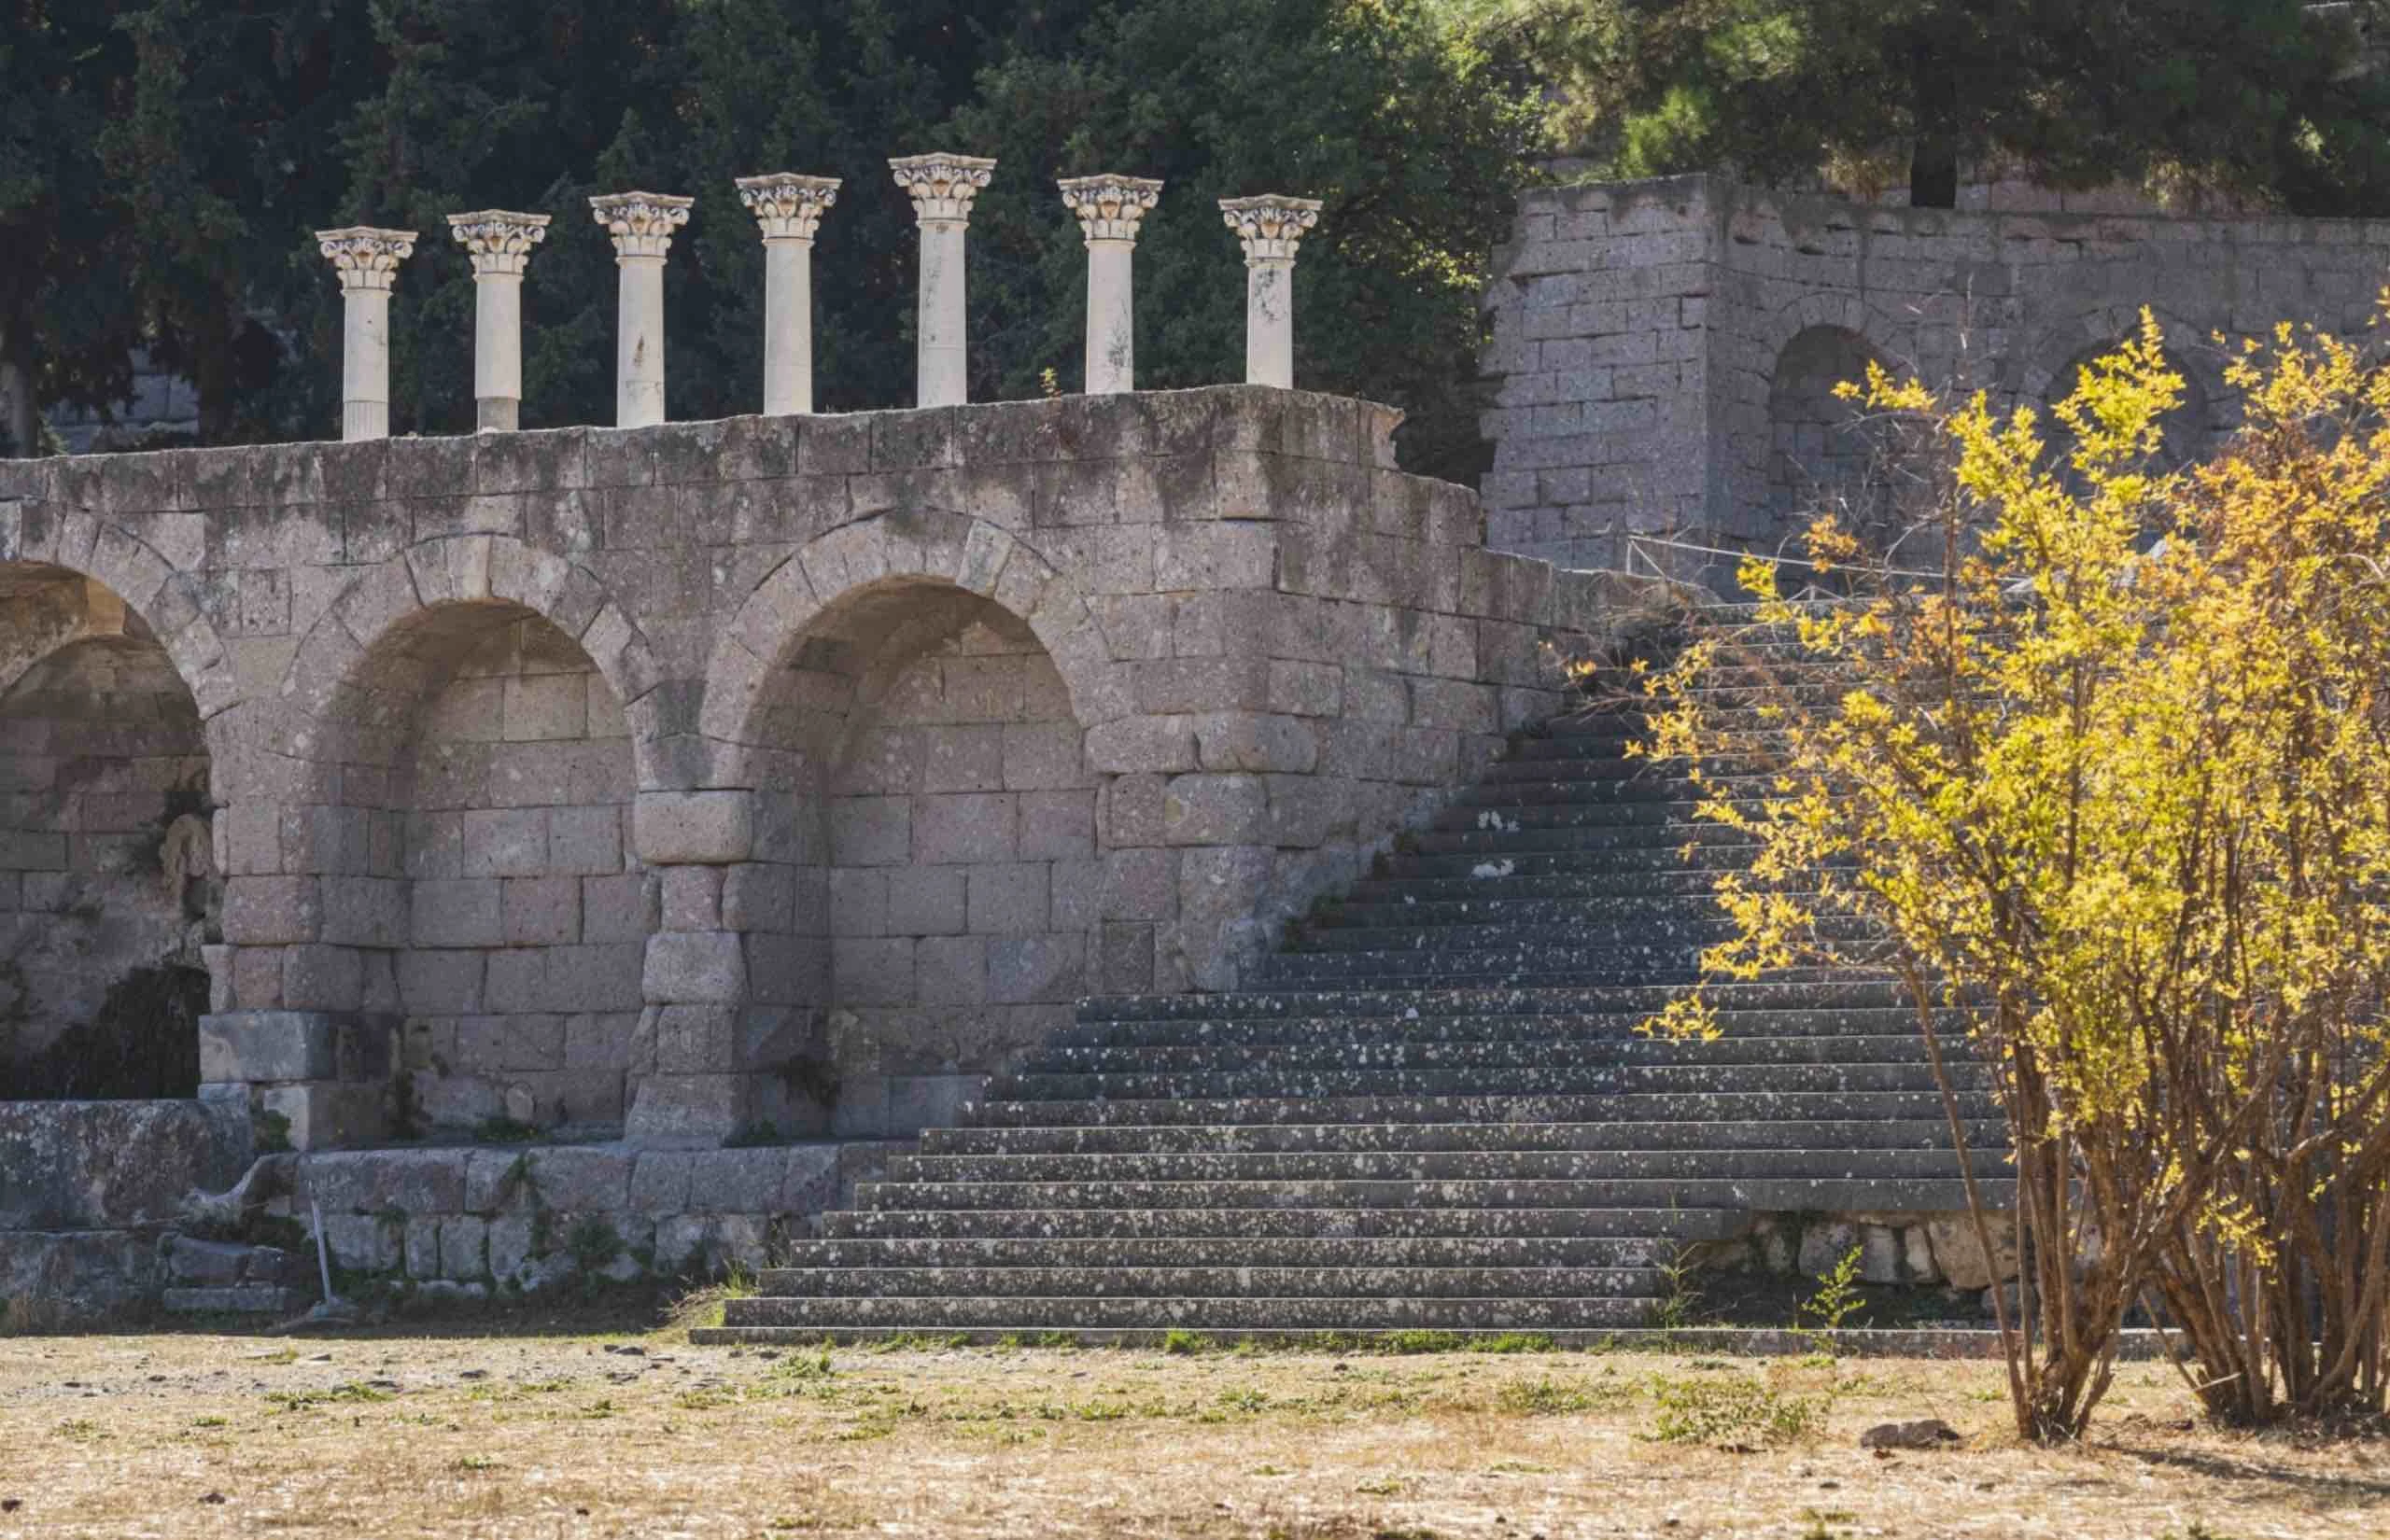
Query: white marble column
{"x":642,"y":224}
{"x":499,"y":244}
{"x":366,"y":259}
{"x":789,"y":207}
{"x":942,"y":188}
{"x":1110,"y":209}
{"x":1270,"y":226}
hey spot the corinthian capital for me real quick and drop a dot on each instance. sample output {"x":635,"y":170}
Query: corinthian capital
{"x":1109,"y":206}
{"x":499,"y":243}
{"x":365,"y":258}
{"x":942,"y":186}
{"x":642,"y":223}
{"x":1272,"y":225}
{"x":787,"y":205}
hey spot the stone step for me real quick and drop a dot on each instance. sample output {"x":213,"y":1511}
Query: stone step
{"x":1470,"y":1226}
{"x":1326,"y":1053}
{"x":1611,"y":893}
{"x":1772,"y":1193}
{"x":1547,"y":966}
{"x":1489,"y":1027}
{"x":1236,"y":1280}
{"x":1618,"y":1134}
{"x":1687,"y":1107}
{"x":1633,"y":1250}
{"x":1509,"y":936}
{"x":1621,"y":916}
{"x":1607,"y":814}
{"x":1761,"y":995}
{"x":1688,"y":869}
{"x":936,"y":1314}
{"x":1423,"y":1166}
{"x":1655,"y":843}
{"x":1543,"y":1080}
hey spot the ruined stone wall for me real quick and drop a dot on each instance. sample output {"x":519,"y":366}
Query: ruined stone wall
{"x":1663,"y":351}
{"x":101,"y":753}
{"x":785,"y":773}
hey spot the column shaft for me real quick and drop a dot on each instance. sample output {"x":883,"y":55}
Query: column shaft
{"x":639,"y":342}
{"x":1270,"y":324}
{"x":788,"y":327}
{"x":498,"y":351}
{"x":1111,"y":334}
{"x":942,"y":355}
{"x":365,"y":364}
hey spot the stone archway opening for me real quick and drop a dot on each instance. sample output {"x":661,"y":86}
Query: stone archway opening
{"x":108,"y":888}
{"x":1823,"y":453}
{"x":923,"y":780}
{"x":484,"y":770}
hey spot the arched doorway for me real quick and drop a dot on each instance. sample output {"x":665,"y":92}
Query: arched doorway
{"x":108,"y":889}
{"x":925,"y":782}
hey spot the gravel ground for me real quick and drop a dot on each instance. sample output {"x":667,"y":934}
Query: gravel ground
{"x":486,"y":1431}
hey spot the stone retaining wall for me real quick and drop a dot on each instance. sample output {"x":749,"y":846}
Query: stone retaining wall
{"x":926,"y":721}
{"x":1664,"y":351}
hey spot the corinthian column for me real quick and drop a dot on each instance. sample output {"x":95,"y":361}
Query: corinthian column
{"x":499,"y":244}
{"x":789,"y":207}
{"x":1270,"y":227}
{"x":366,"y":259}
{"x":942,"y":188}
{"x":1110,"y":209}
{"x":642,"y":224}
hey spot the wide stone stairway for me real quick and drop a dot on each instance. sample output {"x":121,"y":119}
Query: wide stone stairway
{"x":1430,"y":1109}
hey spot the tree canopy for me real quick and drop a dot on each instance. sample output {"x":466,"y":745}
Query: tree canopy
{"x":2263,"y":101}
{"x":218,"y":133}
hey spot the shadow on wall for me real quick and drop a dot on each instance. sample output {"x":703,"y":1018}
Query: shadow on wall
{"x":107,"y":885}
{"x":934,"y":821}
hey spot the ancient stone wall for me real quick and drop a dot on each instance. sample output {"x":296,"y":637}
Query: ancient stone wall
{"x":1662,"y":352}
{"x":782,"y":775}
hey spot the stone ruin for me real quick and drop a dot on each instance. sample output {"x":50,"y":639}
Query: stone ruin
{"x":712,"y":809}
{"x":775,"y":779}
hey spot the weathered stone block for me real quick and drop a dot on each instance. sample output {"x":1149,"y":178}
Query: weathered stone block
{"x":709,"y":828}
{"x":694,"y":965}
{"x":1206,"y":810}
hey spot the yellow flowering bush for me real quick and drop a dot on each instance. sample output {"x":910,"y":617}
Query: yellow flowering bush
{"x":2111,"y":768}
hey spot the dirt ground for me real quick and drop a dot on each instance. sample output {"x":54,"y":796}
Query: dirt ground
{"x":504,"y":1431}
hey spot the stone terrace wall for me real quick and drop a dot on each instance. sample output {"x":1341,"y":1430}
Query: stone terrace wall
{"x":1661,"y":350}
{"x":1133,"y":677}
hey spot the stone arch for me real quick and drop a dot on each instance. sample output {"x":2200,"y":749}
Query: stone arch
{"x":1753,"y":387}
{"x":1823,"y":454}
{"x":2056,"y":358}
{"x":917,"y":545}
{"x":109,"y":900}
{"x":907,"y":700}
{"x":446,"y":853}
{"x":463,"y":571}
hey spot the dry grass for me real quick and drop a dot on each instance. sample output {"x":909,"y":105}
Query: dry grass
{"x":583,"y":1436}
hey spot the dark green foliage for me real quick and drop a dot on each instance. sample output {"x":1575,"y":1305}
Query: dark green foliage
{"x":2253,"y":99}
{"x":234,"y":127}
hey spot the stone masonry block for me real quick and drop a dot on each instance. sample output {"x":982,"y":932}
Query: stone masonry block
{"x":926,"y":900}
{"x":703,"y":966}
{"x":1237,"y":740}
{"x":467,"y":911}
{"x":267,"y":1045}
{"x":1134,"y":745}
{"x":542,"y":911}
{"x":964,"y":827}
{"x":1007,"y":899}
{"x":1206,"y":810}
{"x":710,"y":828}
{"x":272,"y":911}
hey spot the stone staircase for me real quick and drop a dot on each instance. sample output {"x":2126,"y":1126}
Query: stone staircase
{"x":1430,"y":1109}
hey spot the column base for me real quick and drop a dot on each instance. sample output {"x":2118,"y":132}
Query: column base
{"x":497,"y":414}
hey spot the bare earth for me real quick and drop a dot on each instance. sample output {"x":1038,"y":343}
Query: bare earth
{"x":629,"y":1434}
